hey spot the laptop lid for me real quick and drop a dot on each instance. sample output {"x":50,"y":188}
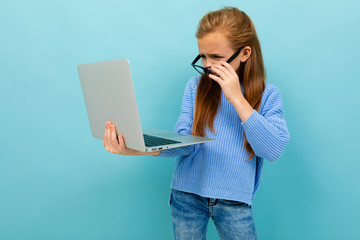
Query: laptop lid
{"x":109,"y":96}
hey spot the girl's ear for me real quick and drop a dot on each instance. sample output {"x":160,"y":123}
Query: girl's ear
{"x":245,"y":53}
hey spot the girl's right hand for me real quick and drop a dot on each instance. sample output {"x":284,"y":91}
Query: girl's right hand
{"x":116,"y":144}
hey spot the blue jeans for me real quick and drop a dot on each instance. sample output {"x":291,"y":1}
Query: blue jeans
{"x":191,"y":213}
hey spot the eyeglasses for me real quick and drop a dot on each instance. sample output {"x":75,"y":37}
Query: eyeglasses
{"x":207,"y":70}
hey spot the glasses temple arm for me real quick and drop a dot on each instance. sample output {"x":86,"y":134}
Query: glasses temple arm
{"x":235,"y":55}
{"x":195,"y":60}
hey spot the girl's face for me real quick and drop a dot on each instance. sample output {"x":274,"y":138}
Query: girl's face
{"x":215,"y":47}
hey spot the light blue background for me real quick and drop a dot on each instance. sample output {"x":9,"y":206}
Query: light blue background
{"x":57,"y":182}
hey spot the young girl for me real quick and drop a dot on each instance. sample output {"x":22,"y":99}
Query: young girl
{"x":230,"y":103}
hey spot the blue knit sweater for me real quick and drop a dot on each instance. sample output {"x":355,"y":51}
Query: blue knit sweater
{"x":218,"y":169}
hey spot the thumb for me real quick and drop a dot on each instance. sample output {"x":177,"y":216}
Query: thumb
{"x":121,"y":141}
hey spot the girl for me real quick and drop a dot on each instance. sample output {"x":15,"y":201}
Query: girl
{"x":230,"y":103}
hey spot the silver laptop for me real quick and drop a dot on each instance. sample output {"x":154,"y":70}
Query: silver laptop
{"x":109,"y":96}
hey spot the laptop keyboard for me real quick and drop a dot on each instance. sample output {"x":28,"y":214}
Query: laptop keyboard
{"x":151,"y":141}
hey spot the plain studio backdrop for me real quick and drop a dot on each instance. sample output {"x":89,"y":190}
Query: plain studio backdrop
{"x":58,"y":182}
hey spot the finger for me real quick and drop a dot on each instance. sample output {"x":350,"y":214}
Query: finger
{"x":216,"y":79}
{"x":103,"y":143}
{"x":217,"y":72}
{"x":228,"y":67}
{"x":114,"y":141}
{"x":121,"y":142}
{"x":107,"y":135}
{"x":221,"y":71}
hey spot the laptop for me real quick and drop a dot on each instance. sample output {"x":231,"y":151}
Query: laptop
{"x":110,"y":96}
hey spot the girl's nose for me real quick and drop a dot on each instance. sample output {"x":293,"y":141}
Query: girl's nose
{"x":208,"y":63}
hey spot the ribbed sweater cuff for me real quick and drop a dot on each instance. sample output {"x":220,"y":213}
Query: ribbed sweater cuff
{"x":251,"y":121}
{"x":176,"y":152}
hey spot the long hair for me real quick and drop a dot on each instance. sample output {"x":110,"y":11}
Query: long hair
{"x":238,"y":28}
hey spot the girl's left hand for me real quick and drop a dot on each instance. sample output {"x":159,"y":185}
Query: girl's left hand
{"x":228,"y":80}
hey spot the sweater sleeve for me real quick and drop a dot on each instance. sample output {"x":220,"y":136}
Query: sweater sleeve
{"x":184,"y":123}
{"x":267,"y":133}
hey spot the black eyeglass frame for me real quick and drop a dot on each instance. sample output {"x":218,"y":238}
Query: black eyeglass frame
{"x":208,"y":69}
